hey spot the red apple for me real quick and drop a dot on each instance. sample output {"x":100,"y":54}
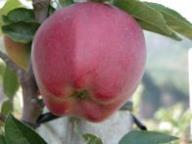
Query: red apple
{"x":18,"y":52}
{"x":88,"y":59}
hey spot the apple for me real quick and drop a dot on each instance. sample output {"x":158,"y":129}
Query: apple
{"x":88,"y":59}
{"x":18,"y":52}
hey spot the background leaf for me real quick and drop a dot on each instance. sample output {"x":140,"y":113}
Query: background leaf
{"x":18,"y":133}
{"x":174,"y":19}
{"x":10,"y":83}
{"x":66,"y":2}
{"x":9,"y":5}
{"x":92,"y":139}
{"x":2,"y":140}
{"x":19,"y":15}
{"x":146,"y":137}
{"x":22,"y":32}
{"x":7,"y":107}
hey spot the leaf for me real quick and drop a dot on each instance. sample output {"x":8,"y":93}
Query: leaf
{"x":2,"y":68}
{"x":148,"y":27}
{"x":19,"y":15}
{"x":149,"y":18}
{"x":146,"y":137}
{"x":92,"y":139}
{"x":22,"y":32}
{"x":66,"y":2}
{"x":2,"y":139}
{"x":19,"y":133}
{"x":51,"y":10}
{"x":9,"y":5}
{"x":174,"y":20}
{"x":127,"y":106}
{"x":7,"y":107}
{"x":10,"y":83}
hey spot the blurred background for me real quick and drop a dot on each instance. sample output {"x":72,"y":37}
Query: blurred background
{"x":162,"y":99}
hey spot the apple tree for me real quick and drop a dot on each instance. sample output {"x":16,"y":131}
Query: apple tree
{"x":79,"y":59}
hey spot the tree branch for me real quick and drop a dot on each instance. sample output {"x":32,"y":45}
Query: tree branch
{"x":41,"y":8}
{"x":9,"y":62}
{"x":32,"y":108}
{"x":2,"y":118}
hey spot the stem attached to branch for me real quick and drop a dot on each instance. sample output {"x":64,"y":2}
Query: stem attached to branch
{"x":32,"y":108}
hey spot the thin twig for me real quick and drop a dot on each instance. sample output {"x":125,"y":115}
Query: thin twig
{"x":44,"y":118}
{"x":9,"y":62}
{"x":138,"y":123}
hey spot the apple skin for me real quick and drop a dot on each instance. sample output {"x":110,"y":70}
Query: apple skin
{"x":18,"y":52}
{"x":88,"y":59}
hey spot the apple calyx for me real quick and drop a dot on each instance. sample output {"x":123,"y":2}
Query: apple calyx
{"x":80,"y":94}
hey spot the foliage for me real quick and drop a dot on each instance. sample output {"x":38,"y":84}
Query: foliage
{"x":18,"y":133}
{"x":176,"y":117}
{"x":157,"y":18}
{"x":173,"y":121}
{"x":92,"y":139}
{"x":144,"y":137}
{"x":8,"y":6}
{"x":19,"y":23}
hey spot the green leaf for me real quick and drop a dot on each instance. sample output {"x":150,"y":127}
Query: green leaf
{"x":22,"y":32}
{"x":127,"y":106}
{"x":9,"y":5}
{"x":7,"y":107}
{"x":148,"y":27}
{"x":19,"y":15}
{"x":146,"y":137}
{"x":10,"y":83}
{"x":2,"y":140}
{"x":66,"y":2}
{"x":19,"y":133}
{"x":51,"y":10}
{"x":149,"y":18}
{"x":174,"y":20}
{"x":2,"y":68}
{"x":92,"y":139}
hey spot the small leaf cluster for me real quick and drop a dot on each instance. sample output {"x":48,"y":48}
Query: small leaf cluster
{"x":20,"y":25}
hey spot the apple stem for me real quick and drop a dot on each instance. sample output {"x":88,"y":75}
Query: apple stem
{"x":46,"y":117}
{"x":138,"y":123}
